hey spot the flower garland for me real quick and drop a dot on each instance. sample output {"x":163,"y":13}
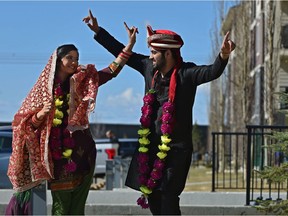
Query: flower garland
{"x":148,"y":179}
{"x":61,"y":141}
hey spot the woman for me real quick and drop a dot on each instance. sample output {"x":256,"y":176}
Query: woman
{"x":51,"y":136}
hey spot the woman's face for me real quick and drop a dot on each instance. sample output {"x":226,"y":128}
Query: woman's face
{"x":69,"y":63}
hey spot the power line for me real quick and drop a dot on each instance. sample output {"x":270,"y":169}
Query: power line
{"x":41,"y":58}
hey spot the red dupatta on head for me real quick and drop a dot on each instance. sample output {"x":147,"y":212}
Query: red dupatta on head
{"x":31,"y":161}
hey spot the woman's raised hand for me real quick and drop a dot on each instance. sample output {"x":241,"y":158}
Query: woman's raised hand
{"x":131,"y":34}
{"x":91,"y":22}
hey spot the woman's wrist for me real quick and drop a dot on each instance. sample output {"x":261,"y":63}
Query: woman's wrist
{"x":128,"y":48}
{"x":39,"y":118}
{"x":117,"y":65}
{"x":36,"y":121}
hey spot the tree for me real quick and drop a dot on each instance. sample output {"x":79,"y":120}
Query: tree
{"x":217,"y":108}
{"x":196,"y":138}
{"x":272,"y":63}
{"x":230,"y":95}
{"x":276,"y":174}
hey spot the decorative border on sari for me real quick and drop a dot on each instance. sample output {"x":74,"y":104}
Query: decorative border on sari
{"x":57,"y":185}
{"x":29,"y":186}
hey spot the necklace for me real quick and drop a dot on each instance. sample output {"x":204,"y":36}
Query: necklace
{"x":149,"y":178}
{"x":60,"y":140}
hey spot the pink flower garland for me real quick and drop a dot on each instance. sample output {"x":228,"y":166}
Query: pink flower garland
{"x":60,"y":138}
{"x":147,"y":178}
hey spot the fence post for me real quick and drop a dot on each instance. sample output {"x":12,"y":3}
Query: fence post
{"x":213,"y":162}
{"x":39,"y":204}
{"x":248,"y":168}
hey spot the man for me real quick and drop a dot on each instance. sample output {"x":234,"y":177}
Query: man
{"x":160,"y":166}
{"x":111,"y":136}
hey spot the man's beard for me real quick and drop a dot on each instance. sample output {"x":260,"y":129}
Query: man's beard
{"x":159,"y":64}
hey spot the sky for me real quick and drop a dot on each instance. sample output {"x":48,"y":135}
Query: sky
{"x":32,"y":30}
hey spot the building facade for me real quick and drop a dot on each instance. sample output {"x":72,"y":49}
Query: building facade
{"x":258,"y":68}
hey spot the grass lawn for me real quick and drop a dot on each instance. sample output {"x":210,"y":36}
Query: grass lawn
{"x":199,"y":179}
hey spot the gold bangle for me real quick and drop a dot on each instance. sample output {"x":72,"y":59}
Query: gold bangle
{"x":123,"y":56}
{"x":36,"y":121}
{"x":115,"y":68}
{"x":129,"y":53}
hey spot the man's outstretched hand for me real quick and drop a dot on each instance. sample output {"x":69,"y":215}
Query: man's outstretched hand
{"x":227,"y":46}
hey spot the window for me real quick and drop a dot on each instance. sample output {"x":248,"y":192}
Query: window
{"x":284,"y":101}
{"x":284,"y":36}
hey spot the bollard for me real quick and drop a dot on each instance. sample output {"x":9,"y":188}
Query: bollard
{"x":125,"y":166}
{"x":109,"y":174}
{"x":117,"y":172}
{"x":39,"y":201}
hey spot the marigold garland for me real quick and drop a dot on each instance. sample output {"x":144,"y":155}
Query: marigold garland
{"x":61,"y":142}
{"x":147,"y":178}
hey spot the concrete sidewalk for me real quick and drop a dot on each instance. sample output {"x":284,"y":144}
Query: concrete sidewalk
{"x":123,"y":202}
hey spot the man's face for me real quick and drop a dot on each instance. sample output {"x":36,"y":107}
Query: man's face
{"x":158,"y":58}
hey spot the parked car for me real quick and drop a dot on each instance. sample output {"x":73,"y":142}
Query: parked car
{"x":6,"y":128}
{"x":5,"y":152}
{"x":105,"y":150}
{"x":127,"y":147}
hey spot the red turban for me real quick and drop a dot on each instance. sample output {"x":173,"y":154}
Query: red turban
{"x":163,"y":39}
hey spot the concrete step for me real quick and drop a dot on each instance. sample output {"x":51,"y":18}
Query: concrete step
{"x":123,"y":202}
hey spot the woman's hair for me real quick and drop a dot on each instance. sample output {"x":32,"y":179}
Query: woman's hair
{"x":64,"y":50}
